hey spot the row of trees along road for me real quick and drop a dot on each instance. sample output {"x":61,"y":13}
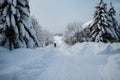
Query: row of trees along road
{"x":102,"y":28}
{"x":16,"y":30}
{"x":44,"y":38}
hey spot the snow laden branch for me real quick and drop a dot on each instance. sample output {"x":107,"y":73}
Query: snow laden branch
{"x":17,"y":31}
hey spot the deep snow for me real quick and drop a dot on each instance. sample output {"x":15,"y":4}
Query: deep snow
{"x":83,"y":61}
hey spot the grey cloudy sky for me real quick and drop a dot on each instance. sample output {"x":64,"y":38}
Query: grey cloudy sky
{"x":54,"y":15}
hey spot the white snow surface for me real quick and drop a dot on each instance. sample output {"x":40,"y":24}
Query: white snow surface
{"x":83,"y":61}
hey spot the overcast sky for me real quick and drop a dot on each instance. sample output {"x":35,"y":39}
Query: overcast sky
{"x":54,"y":15}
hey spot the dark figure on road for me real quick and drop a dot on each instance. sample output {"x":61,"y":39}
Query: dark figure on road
{"x":54,"y":44}
{"x":10,"y":34}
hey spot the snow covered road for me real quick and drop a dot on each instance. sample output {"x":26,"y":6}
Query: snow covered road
{"x":66,"y":67}
{"x":55,"y":64}
{"x":74,"y":67}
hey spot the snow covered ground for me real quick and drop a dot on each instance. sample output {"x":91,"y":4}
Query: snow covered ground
{"x":83,"y":61}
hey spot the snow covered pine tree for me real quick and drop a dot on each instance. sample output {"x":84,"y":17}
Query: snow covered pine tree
{"x":17,"y":31}
{"x":101,"y":29}
{"x":113,"y":22}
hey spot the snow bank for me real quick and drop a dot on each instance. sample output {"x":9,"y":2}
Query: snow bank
{"x":111,"y":70}
{"x":91,"y":48}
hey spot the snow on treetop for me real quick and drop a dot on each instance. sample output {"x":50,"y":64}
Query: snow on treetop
{"x":85,"y":25}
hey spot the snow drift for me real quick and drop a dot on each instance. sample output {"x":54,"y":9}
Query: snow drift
{"x":91,"y":48}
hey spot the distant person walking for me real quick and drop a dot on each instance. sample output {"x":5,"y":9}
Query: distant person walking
{"x":54,"y":44}
{"x":10,"y":34}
